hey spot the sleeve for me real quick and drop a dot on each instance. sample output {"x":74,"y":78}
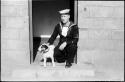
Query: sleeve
{"x":54,"y":35}
{"x":75,"y":35}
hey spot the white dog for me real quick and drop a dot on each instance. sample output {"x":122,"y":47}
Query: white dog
{"x":44,"y":52}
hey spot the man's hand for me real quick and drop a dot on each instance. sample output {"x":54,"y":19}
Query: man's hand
{"x":63,"y":45}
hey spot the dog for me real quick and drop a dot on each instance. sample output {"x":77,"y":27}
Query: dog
{"x":45,"y":51}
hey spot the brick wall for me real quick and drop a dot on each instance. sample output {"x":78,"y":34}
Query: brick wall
{"x":101,"y":26}
{"x":14,"y":33}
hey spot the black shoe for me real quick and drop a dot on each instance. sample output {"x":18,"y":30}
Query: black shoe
{"x":68,"y":65}
{"x":60,"y":61}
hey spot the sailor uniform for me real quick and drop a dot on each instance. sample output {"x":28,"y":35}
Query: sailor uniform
{"x":70,"y":35}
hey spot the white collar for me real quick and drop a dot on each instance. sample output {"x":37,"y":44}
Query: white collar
{"x":68,"y":27}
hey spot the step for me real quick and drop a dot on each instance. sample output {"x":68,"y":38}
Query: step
{"x":42,"y":73}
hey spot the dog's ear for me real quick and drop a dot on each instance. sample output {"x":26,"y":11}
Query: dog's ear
{"x":40,"y":48}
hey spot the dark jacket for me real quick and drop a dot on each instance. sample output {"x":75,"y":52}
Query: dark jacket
{"x":72,"y":34}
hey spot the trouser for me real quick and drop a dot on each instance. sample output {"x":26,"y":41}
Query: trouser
{"x":67,"y":54}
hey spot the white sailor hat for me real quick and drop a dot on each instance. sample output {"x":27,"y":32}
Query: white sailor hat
{"x":65,"y":11}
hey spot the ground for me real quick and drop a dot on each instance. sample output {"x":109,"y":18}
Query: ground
{"x":108,"y":68}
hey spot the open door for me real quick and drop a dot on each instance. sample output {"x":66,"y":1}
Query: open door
{"x":44,"y":17}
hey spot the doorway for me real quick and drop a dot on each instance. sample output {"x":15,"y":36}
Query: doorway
{"x":44,"y":18}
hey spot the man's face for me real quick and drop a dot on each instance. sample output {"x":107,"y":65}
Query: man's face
{"x":65,"y":18}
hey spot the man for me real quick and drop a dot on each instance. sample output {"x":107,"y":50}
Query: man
{"x":69,"y":35}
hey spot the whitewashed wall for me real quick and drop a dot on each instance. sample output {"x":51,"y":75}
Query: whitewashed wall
{"x":101,"y":26}
{"x":14,"y":34}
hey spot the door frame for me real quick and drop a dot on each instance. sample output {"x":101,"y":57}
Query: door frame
{"x":31,"y":29}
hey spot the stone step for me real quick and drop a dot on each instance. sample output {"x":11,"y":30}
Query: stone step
{"x":52,"y":73}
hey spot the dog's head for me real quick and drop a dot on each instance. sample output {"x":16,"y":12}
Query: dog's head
{"x":43,"y":48}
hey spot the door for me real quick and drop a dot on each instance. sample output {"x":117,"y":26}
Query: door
{"x":44,"y":18}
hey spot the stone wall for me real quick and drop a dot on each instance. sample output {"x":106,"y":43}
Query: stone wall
{"x":101,"y":26}
{"x":14,"y":33}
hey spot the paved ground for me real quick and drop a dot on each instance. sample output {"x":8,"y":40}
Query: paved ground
{"x":38,"y":72}
{"x":106,"y":67}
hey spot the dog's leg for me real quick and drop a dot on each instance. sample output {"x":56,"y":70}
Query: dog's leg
{"x":45,"y":62}
{"x":53,"y":61}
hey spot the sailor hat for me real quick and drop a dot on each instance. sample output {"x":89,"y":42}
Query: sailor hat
{"x":65,"y":11}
